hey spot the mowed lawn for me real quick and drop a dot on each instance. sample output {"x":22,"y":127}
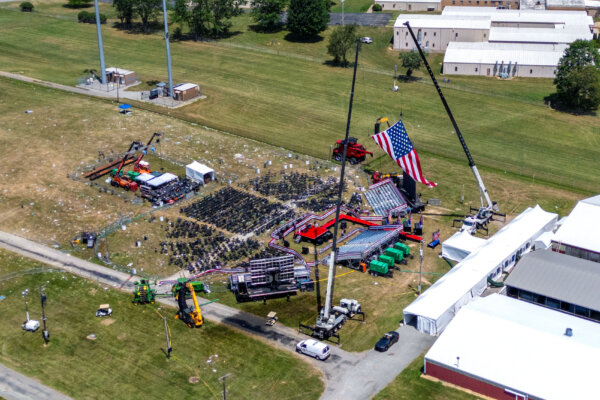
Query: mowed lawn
{"x":126,"y":361}
{"x":295,"y":100}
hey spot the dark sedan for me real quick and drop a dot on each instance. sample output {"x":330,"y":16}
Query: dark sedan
{"x":387,"y":341}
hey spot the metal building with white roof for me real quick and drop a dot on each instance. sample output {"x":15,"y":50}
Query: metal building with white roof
{"x":578,"y":235}
{"x":409,"y":5}
{"x":509,"y":349}
{"x":434,"y":309}
{"x":502,"y":59}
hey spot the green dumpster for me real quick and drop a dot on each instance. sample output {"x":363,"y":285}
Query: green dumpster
{"x":386,"y":259}
{"x":397,"y":255}
{"x":378,"y":267}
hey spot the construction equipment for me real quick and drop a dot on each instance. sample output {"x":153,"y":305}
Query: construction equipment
{"x":86,"y":238}
{"x":191,"y":316}
{"x":355,"y":152}
{"x":330,"y":321}
{"x":30,"y":325}
{"x":104,"y":310}
{"x":487,"y":211}
{"x":143,"y":293}
{"x":349,"y":307}
{"x":142,"y":166}
{"x":198,"y":286}
{"x":105,"y":169}
{"x":123,"y":181}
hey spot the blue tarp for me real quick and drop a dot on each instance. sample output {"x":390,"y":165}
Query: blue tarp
{"x":124,"y":106}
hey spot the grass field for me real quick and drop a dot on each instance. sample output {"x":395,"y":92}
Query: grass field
{"x":410,"y":386}
{"x":256,"y":92}
{"x":126,"y":358}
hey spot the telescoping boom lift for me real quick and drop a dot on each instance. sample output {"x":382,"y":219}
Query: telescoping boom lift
{"x":142,"y":166}
{"x":331,"y":319}
{"x":487,"y":211}
{"x":192,"y":316}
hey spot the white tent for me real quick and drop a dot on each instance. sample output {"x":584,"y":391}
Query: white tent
{"x":460,"y":245}
{"x":543,"y":241}
{"x":199,"y":172}
{"x":161,"y":180}
{"x":435,"y":308}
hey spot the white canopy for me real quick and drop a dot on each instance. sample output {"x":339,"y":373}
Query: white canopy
{"x":521,"y":347}
{"x":199,"y":172}
{"x":161,"y":180}
{"x":432,"y":311}
{"x":460,"y":245}
{"x":580,"y":229}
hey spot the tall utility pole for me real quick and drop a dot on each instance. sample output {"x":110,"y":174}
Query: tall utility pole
{"x":100,"y":46}
{"x":168,"y":48}
{"x":342,"y":12}
{"x":45,"y":333}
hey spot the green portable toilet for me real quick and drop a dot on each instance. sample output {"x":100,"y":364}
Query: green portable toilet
{"x":397,"y":255}
{"x":386,"y":259}
{"x":402,"y":247}
{"x":378,"y":267}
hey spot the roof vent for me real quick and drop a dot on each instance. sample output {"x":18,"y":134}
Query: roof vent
{"x":569,"y":332}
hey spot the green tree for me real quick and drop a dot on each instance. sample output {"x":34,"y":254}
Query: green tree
{"x":411,"y":60}
{"x":579,"y":54}
{"x":26,"y":6}
{"x":125,"y":11}
{"x":147,"y":10}
{"x":267,"y":13}
{"x":206,"y":17}
{"x":581,"y":89}
{"x":79,"y":3}
{"x":306,"y":18}
{"x":342,"y":40}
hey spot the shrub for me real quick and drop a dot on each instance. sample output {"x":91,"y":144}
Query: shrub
{"x":376,"y":7}
{"x":78,"y":3}
{"x":26,"y":6}
{"x":90,"y":17}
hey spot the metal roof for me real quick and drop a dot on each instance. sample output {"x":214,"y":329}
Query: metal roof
{"x":539,"y":16}
{"x":522,"y":347}
{"x":566,"y":3}
{"x":580,"y":229}
{"x":185,"y":86}
{"x":559,"y":276}
{"x":539,"y":35}
{"x":408,"y":1}
{"x":491,"y":53}
{"x":119,"y":71}
{"x":443,"y":21}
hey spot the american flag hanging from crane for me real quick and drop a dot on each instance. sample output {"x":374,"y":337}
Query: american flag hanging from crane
{"x":395,"y":142}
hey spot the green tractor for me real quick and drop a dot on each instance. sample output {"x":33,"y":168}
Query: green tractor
{"x":143,"y":294}
{"x":198,"y":286}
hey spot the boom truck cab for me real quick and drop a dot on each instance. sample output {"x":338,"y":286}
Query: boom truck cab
{"x":355,"y":153}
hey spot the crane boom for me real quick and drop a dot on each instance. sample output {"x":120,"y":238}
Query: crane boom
{"x":482,"y":188}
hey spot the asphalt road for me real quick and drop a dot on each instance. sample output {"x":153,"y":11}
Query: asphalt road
{"x":15,"y":386}
{"x":347,"y":375}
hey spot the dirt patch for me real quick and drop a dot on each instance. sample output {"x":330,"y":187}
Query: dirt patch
{"x":122,"y":336}
{"x":107,"y":321}
{"x":193,"y":379}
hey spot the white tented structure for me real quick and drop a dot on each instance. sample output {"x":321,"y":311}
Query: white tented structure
{"x":434,"y":309}
{"x":578,"y":235}
{"x":199,"y":172}
{"x":460,"y":245}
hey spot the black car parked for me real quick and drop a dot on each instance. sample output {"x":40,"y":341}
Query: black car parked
{"x":387,"y":341}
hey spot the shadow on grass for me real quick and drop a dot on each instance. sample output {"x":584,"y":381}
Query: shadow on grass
{"x":77,"y":6}
{"x":553,"y":100}
{"x":407,"y":78}
{"x":290,"y":37}
{"x":338,"y":64}
{"x":259,"y":29}
{"x":138,"y":28}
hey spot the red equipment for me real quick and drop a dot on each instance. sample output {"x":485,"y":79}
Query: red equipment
{"x":143,"y":167}
{"x":356,"y":152}
{"x":123,"y":181}
{"x":320,"y":234}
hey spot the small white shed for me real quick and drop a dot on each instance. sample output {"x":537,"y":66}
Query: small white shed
{"x":199,"y":172}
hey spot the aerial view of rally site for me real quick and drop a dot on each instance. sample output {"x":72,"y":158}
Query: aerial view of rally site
{"x":299,"y":199}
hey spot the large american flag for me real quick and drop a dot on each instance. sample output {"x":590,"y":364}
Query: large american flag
{"x":396,"y":143}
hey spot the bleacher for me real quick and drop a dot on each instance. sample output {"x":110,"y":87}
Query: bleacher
{"x":366,"y":243}
{"x":385,"y":198}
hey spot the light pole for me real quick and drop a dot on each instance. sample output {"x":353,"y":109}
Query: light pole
{"x":100,"y":47}
{"x":342,"y":12}
{"x":421,"y":265}
{"x":45,"y":333}
{"x":223,"y":378}
{"x":166,"y":23}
